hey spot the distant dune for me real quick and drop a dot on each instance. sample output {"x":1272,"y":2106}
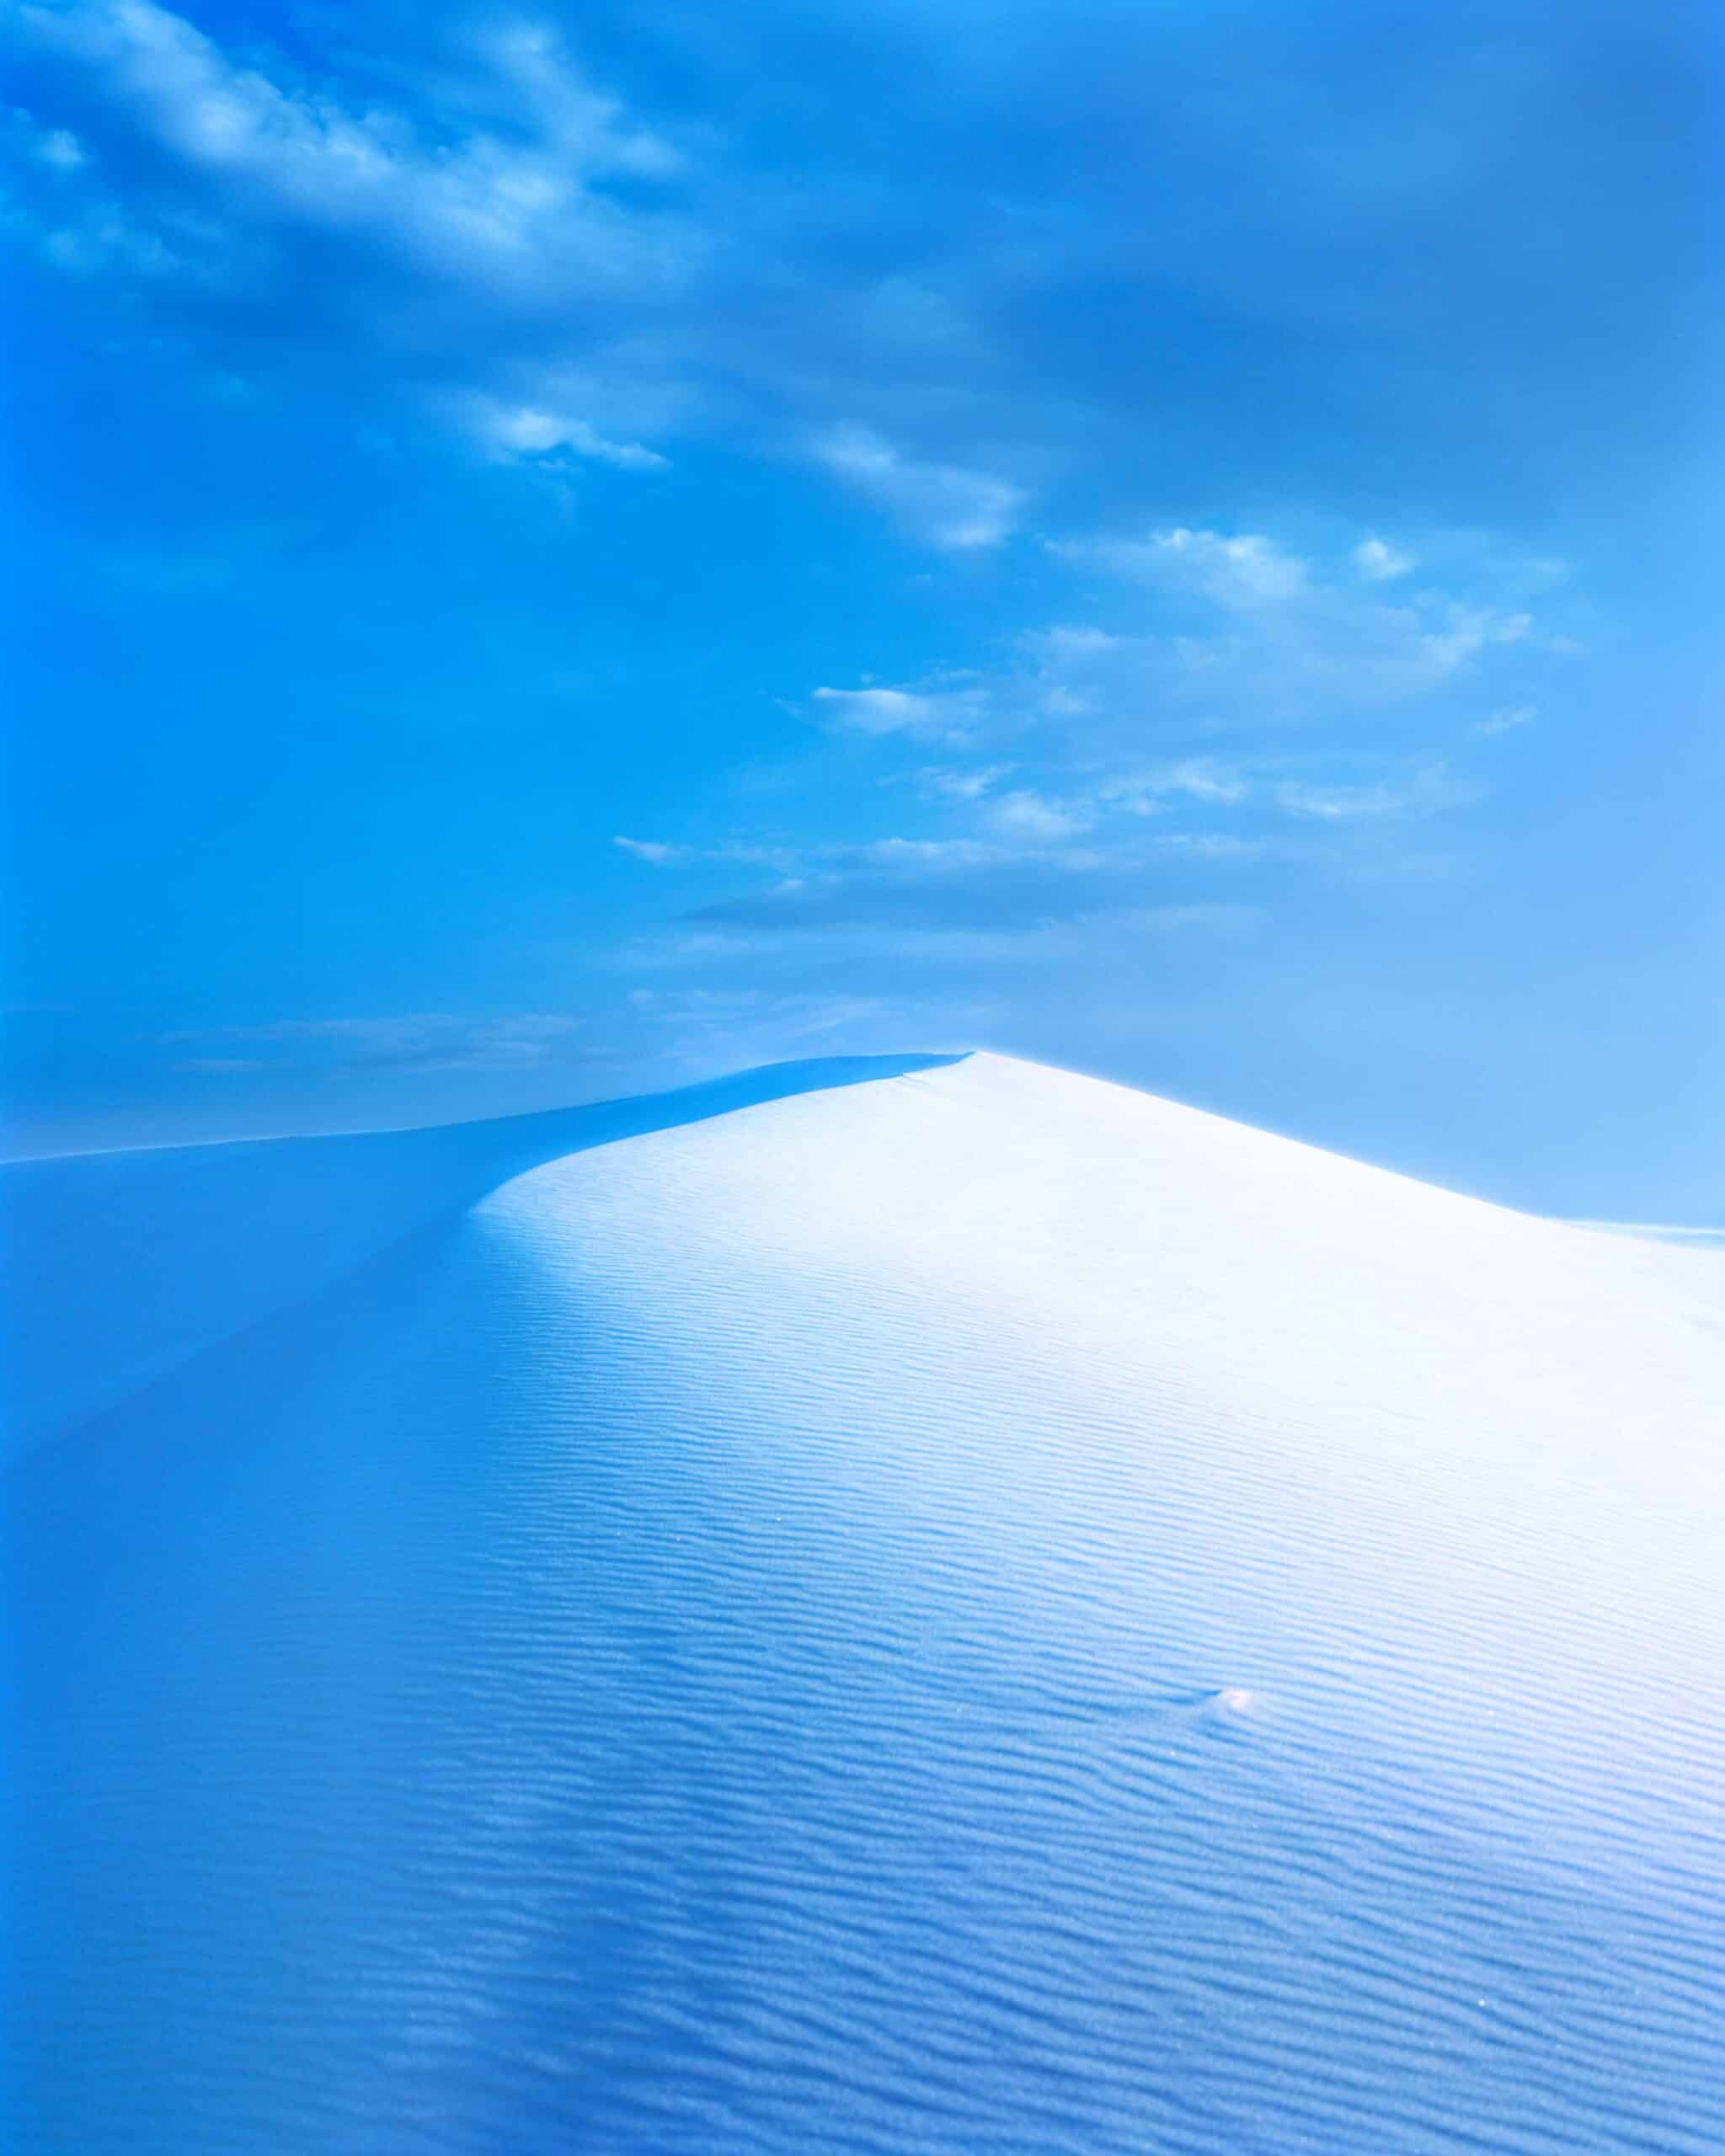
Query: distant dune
{"x":926,"y":1605}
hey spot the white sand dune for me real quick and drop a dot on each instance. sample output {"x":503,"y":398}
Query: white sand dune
{"x":975,"y":1610}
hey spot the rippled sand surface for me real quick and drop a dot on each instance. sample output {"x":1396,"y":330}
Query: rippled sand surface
{"x":972,"y":1610}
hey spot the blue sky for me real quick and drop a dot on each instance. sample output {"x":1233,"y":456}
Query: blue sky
{"x":558,"y":553}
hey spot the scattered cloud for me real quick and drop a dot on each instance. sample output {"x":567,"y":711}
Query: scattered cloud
{"x":59,"y":148}
{"x":1379,"y":563}
{"x":483,"y":205}
{"x":505,"y":244}
{"x":946,"y":782}
{"x":1211,"y":846}
{"x":946,"y":504}
{"x":1241,"y":572}
{"x":463,"y":241}
{"x":1234,"y":718}
{"x":519,"y":430}
{"x":913,"y":853}
{"x":1334,"y":803}
{"x":476,"y":210}
{"x":652,"y":850}
{"x":883,"y":287}
{"x":1242,"y":709}
{"x":1507,"y":719}
{"x":1148,"y":792}
{"x":1027,"y":815}
{"x":1210,"y":638}
{"x":1324,"y":699}
{"x":941,"y":714}
{"x":1243,"y":633}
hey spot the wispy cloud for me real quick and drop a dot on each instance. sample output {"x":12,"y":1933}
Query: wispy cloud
{"x":1270,"y":636}
{"x":477,"y":211}
{"x":1380,"y":563}
{"x":485,"y":205}
{"x":525,"y":258}
{"x":1243,"y":713}
{"x":1031,"y":816}
{"x":948,"y":782}
{"x":946,"y":504}
{"x":1507,"y":719}
{"x":932,"y":713}
{"x":1242,"y":572}
{"x":1333,"y":802}
{"x":522,"y":430}
{"x":59,"y":148}
{"x":1148,"y":792}
{"x":654,"y":851}
{"x":1208,"y":638}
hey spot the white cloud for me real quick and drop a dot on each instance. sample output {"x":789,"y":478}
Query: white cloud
{"x":1069,"y":641}
{"x":59,"y":149}
{"x":104,"y":238}
{"x":445,"y":246}
{"x":1339,"y":802}
{"x":1210,"y":846}
{"x":482,"y":218}
{"x":944,"y":714}
{"x":1028,"y":815}
{"x":1468,"y":631}
{"x":1507,"y":719}
{"x":651,"y":850}
{"x":1296,"y":644}
{"x":1379,"y":563}
{"x":1244,"y":572}
{"x":1200,"y":778}
{"x":948,"y":783}
{"x":917,"y":853}
{"x":470,"y":244}
{"x":1297,"y":649}
{"x":587,"y":129}
{"x":946,"y":504}
{"x":520,"y":430}
{"x":1290,"y":638}
{"x":482,"y":200}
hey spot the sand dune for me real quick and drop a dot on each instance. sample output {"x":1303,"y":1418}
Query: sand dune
{"x":943,"y":1607}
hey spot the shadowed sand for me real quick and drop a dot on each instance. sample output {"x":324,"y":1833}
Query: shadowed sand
{"x":117,"y":1265}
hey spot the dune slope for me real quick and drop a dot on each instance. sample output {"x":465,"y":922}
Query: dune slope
{"x":974,"y":1611}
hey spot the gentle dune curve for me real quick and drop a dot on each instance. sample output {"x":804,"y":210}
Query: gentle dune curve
{"x":117,"y":1267}
{"x":972,"y":1610}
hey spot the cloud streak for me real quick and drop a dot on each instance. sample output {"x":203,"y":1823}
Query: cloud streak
{"x":926,"y":712}
{"x":943,"y":504}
